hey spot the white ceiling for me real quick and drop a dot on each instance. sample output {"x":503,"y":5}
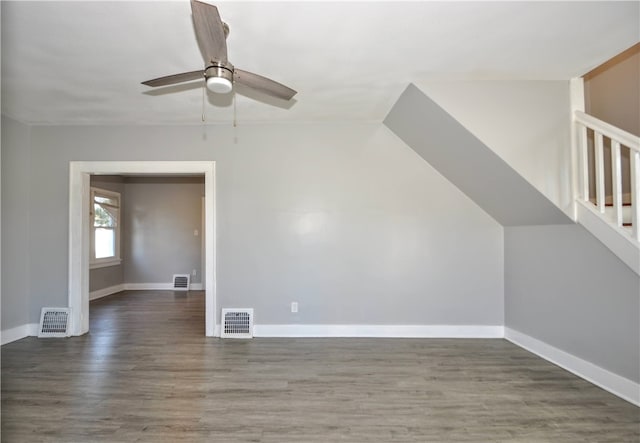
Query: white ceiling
{"x":82,"y":62}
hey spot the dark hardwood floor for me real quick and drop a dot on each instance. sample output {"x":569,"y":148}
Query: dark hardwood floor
{"x":147,"y":373}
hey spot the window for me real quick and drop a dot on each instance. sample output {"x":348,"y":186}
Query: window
{"x":105,"y":229}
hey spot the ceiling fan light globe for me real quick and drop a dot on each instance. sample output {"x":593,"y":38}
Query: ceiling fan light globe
{"x":219,"y":85}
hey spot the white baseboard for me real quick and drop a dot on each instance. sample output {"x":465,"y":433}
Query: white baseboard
{"x":138,"y":287}
{"x":148,"y":286}
{"x":94,"y":295}
{"x":158,"y":286}
{"x":607,"y":380}
{"x":380,"y":331}
{"x":22,"y":331}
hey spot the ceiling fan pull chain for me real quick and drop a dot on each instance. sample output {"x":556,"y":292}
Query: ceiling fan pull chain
{"x":235,"y":121}
{"x":203,"y":93}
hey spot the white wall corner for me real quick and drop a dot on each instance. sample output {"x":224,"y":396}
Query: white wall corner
{"x":576,"y":90}
{"x":22,"y":331}
{"x":577,"y":103}
{"x":620,"y":386}
{"x":94,"y":295}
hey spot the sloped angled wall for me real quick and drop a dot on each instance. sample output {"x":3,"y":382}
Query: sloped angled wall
{"x":468,"y":163}
{"x":525,"y":122}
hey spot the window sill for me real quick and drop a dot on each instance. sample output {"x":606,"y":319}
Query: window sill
{"x":105,"y":263}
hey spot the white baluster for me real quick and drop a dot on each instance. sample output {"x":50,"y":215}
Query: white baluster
{"x":635,"y":194}
{"x":616,"y":182}
{"x":599,"y":163}
{"x":584,"y":158}
{"x":619,"y":138}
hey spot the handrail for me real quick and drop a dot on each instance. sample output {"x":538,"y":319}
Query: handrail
{"x":608,"y":130}
{"x":618,"y":138}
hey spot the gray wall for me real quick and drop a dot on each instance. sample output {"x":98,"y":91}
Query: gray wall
{"x":16,"y":191}
{"x":106,"y":277}
{"x":160,"y":215}
{"x":342,"y":218}
{"x":565,"y":288}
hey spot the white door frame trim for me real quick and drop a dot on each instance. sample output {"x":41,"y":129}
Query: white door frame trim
{"x":79,"y":172}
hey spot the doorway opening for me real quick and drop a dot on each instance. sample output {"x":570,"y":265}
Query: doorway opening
{"x":79,"y":222}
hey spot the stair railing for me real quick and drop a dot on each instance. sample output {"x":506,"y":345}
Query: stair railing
{"x":619,"y":139}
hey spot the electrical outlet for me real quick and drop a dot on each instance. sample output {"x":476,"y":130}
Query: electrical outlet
{"x":194,"y":272}
{"x":294,"y":306}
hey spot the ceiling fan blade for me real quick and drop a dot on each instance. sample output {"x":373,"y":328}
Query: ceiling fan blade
{"x":209,"y":32}
{"x":263,"y":84}
{"x":175,"y":78}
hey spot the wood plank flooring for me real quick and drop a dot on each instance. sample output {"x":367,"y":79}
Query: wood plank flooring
{"x":146,"y":373}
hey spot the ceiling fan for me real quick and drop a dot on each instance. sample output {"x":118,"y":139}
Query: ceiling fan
{"x":219,"y":74}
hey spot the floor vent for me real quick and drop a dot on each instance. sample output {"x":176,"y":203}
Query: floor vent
{"x":237,"y":323}
{"x":54,"y":322}
{"x":181,"y":282}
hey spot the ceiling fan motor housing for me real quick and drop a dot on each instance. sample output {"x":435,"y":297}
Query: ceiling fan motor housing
{"x":219,"y":77}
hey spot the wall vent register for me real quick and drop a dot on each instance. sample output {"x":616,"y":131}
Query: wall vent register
{"x":54,"y":322}
{"x":237,"y":323}
{"x":181,"y":282}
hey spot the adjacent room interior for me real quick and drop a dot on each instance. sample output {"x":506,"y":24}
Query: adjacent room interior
{"x":148,"y":233}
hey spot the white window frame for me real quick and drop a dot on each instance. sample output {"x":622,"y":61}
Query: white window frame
{"x":107,"y":261}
